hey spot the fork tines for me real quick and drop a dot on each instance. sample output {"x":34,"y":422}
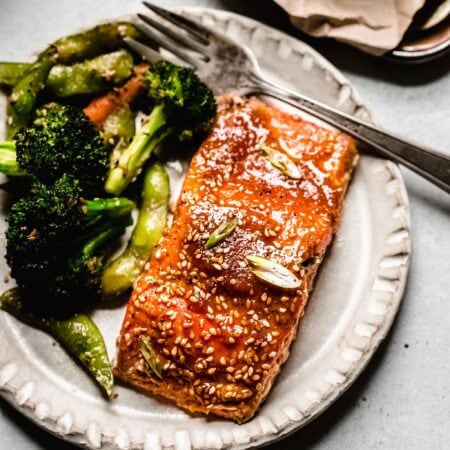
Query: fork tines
{"x":165,"y":43}
{"x":184,"y":40}
{"x":196,"y":30}
{"x":182,"y":37}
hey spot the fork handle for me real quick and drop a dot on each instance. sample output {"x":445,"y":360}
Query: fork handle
{"x":432,"y":165}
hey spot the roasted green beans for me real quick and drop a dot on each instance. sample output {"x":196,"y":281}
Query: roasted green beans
{"x":120,"y":273}
{"x":78,"y":334}
{"x":93,"y":42}
{"x":119,"y":126}
{"x":24,"y":93}
{"x":66,"y":50}
{"x":92,"y":76}
{"x":10,"y":72}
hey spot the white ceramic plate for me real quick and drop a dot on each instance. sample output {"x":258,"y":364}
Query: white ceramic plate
{"x":357,"y":294}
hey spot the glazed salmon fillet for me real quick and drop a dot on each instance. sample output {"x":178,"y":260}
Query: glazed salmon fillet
{"x":204,"y":328}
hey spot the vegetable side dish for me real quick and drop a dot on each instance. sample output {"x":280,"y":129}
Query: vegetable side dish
{"x":78,"y":166}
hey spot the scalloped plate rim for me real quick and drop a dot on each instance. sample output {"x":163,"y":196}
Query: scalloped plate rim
{"x":81,"y":437}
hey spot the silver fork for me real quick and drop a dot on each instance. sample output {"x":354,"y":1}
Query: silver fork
{"x":227,"y":66}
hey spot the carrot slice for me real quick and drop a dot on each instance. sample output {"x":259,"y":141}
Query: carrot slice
{"x":102,"y":107}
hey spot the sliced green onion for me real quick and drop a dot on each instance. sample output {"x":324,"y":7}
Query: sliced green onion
{"x":282,"y":162}
{"x":150,"y":356}
{"x":272,"y":272}
{"x":220,"y":233}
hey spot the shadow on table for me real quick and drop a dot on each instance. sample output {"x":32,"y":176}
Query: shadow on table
{"x":343,"y":56}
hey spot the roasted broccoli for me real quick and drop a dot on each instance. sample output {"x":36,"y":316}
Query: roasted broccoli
{"x":51,"y":224}
{"x":79,"y":280}
{"x":61,"y":140}
{"x":183,"y":105}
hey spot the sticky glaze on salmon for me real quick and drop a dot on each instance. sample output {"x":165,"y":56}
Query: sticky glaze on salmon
{"x":217,"y":332}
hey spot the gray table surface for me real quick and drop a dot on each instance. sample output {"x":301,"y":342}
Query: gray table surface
{"x":401,"y":401}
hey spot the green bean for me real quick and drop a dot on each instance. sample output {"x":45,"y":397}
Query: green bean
{"x":10,"y":73}
{"x":93,"y":42}
{"x":78,"y":334}
{"x":92,"y":76}
{"x":119,"y":126}
{"x":66,"y":50}
{"x":24,"y":93}
{"x":81,"y":337}
{"x":120,"y":273}
{"x":118,"y":130}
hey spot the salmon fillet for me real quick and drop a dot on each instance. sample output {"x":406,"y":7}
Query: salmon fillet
{"x":201,"y":328}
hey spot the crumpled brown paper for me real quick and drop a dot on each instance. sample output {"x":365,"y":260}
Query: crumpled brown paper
{"x":375,"y":26}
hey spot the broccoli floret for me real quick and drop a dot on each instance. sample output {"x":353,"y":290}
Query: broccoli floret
{"x":189,"y":102}
{"x":183,"y":105}
{"x":79,"y":281}
{"x":50,"y":224}
{"x":62,"y":139}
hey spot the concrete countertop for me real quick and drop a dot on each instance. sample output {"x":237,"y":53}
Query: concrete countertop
{"x":401,"y":401}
